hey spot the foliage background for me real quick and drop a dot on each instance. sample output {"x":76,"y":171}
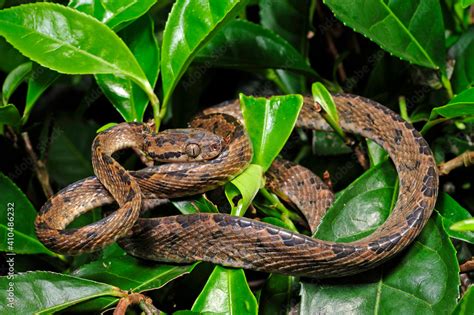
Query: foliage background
{"x":415,"y":57}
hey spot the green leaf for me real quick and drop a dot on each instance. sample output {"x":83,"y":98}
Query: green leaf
{"x":466,"y":3}
{"x":226,"y":292}
{"x":424,"y":279}
{"x":460,"y":105}
{"x":360,"y":208}
{"x":280,"y":17}
{"x":127,"y":97}
{"x":43,"y":292}
{"x":131,"y":274}
{"x":246,"y":184}
{"x":41,"y":78}
{"x":399,"y":27}
{"x":106,"y":126}
{"x":115,"y":14}
{"x":68,"y":41}
{"x":466,"y":305}
{"x":462,"y":51}
{"x":10,"y":57}
{"x":189,"y":26}
{"x":451,"y":212}
{"x":241,"y":44}
{"x":17,"y":221}
{"x":200,"y":204}
{"x":14,"y":79}
{"x":269,"y":123}
{"x":464,"y":225}
{"x":277,"y":295}
{"x":376,"y":153}
{"x":324,"y":98}
{"x":9,"y":115}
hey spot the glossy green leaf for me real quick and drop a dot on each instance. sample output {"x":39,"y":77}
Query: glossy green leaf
{"x":451,"y":212}
{"x":322,"y":96}
{"x":14,"y":79}
{"x":189,"y":26}
{"x":277,"y":295}
{"x":10,"y":57}
{"x":131,"y":274}
{"x":466,"y":305}
{"x":9,"y":115}
{"x":399,"y":27}
{"x":68,"y":41}
{"x":269,"y":123}
{"x":226,"y":292}
{"x":280,"y":17}
{"x":462,"y":51}
{"x":41,"y":78}
{"x":247,"y":185}
{"x":466,"y":225}
{"x":41,"y":292}
{"x":360,"y":208}
{"x":114,"y":13}
{"x":376,"y":153}
{"x":460,"y":105}
{"x":17,"y":221}
{"x":423,"y":279}
{"x":125,"y":95}
{"x":200,"y":204}
{"x":241,"y":44}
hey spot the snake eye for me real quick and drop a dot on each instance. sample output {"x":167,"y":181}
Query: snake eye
{"x":193,"y":150}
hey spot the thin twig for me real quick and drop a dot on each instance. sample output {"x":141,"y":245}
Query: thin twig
{"x":144,"y":302}
{"x":39,"y":166}
{"x":361,"y":157}
{"x":465,"y":159}
{"x":467,"y":266}
{"x":332,"y":48}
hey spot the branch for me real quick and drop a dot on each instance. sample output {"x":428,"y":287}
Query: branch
{"x":467,"y":266}
{"x":465,"y":159}
{"x":39,"y":166}
{"x":145,"y":303}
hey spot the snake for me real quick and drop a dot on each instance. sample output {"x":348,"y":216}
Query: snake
{"x":211,"y":152}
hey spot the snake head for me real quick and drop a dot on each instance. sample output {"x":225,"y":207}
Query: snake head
{"x":184,"y":145}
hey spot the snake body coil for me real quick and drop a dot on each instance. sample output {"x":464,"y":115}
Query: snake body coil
{"x":241,"y":242}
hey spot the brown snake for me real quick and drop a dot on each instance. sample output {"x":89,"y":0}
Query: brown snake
{"x":215,"y":152}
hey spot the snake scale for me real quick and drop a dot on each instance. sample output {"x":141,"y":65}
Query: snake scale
{"x":211,"y":152}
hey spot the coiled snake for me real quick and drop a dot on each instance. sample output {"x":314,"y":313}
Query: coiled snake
{"x":214,"y":150}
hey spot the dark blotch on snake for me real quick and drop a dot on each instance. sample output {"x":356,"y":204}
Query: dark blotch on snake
{"x":130,"y":196}
{"x":293,"y":241}
{"x":416,"y":217}
{"x":107,"y":159}
{"x":398,"y":136}
{"x":342,"y":251}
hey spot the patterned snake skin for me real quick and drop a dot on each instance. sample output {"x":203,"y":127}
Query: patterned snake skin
{"x":215,"y":151}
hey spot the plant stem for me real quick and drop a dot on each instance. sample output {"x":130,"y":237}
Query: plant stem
{"x":465,"y":159}
{"x":156,"y":113}
{"x":403,"y":108}
{"x":286,"y":215}
{"x":431,"y":123}
{"x":447,"y":85}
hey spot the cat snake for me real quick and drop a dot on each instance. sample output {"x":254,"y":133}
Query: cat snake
{"x":214,"y":150}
